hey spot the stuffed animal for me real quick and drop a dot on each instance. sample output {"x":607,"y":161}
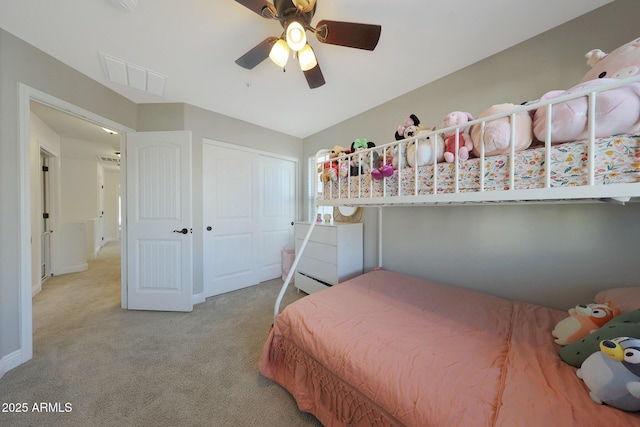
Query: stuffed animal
{"x":410,"y":122}
{"x":465,"y":145}
{"x":337,"y":150}
{"x":398,"y":155}
{"x":361,"y":163}
{"x":338,"y":156}
{"x":384,"y":167}
{"x":420,"y":151}
{"x":329,"y":170}
{"x":613,"y":374}
{"x":617,"y":110}
{"x":497,"y":133}
{"x":627,"y":324}
{"x":343,"y":164}
{"x":582,"y":320}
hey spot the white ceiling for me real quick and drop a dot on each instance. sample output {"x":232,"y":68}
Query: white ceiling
{"x":194,"y":43}
{"x":80,"y":138}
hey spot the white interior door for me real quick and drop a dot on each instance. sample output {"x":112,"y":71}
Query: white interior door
{"x":45,"y":213}
{"x":249,"y":205}
{"x":159,"y":234}
{"x":277,"y":213}
{"x":230,"y":218}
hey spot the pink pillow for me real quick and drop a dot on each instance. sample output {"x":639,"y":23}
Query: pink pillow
{"x":626,"y":299}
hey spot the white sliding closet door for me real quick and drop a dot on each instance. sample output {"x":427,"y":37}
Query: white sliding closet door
{"x":277,"y":213}
{"x":249,"y":205}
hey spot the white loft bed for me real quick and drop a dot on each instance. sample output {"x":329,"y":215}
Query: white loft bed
{"x":602,"y":169}
{"x":380,"y":349}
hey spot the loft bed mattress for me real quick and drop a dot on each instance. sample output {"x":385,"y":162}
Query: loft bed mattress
{"x":617,"y":160}
{"x":388,"y":349}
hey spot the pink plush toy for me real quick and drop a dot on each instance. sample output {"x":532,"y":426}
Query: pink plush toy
{"x":497,"y":136}
{"x":457,"y":118}
{"x":383,"y":170}
{"x":582,"y":320}
{"x":617,"y":110}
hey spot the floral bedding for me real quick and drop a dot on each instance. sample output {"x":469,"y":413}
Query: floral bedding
{"x":617,"y":160}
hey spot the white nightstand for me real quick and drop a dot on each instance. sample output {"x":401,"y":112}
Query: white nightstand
{"x":333,"y":254}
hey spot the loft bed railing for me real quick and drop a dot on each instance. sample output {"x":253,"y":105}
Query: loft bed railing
{"x":360,"y":189}
{"x":357,"y":191}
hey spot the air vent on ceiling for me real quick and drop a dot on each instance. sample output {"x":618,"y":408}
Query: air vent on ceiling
{"x":135,"y":76}
{"x":114,"y":161}
{"x":127,"y":4}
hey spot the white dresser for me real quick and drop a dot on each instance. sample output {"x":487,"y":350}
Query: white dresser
{"x":333,"y":254}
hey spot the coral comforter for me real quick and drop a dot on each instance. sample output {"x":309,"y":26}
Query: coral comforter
{"x":388,"y":349}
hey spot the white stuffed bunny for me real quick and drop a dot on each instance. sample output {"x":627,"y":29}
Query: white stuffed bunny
{"x":420,"y":151}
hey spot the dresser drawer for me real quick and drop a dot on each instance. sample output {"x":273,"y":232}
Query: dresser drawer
{"x":320,"y":251}
{"x":332,"y":254}
{"x":322,"y":270}
{"x":321,"y":233}
{"x":308,"y":285}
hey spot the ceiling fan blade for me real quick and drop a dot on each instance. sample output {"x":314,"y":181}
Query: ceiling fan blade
{"x":256,"y":55}
{"x":258,"y":6}
{"x":314,"y":77}
{"x":349,"y":34}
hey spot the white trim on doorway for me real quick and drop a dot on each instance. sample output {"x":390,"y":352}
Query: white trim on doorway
{"x":25,"y":95}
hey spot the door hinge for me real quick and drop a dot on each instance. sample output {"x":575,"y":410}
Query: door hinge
{"x":45,"y":215}
{"x":45,"y":168}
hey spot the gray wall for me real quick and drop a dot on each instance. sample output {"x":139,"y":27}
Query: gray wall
{"x":557,"y":255}
{"x":21,"y":63}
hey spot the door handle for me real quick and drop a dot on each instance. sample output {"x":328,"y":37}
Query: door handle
{"x":183,"y":231}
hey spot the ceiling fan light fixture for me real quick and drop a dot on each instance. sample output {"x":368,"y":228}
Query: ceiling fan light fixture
{"x":295,"y":17}
{"x":307,"y":58}
{"x":279,"y":53}
{"x":296,"y":35}
{"x":304,"y":5}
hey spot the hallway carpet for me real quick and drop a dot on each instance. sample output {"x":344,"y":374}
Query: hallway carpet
{"x":95,"y":364}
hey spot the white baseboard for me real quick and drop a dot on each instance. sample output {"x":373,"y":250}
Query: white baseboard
{"x":73,"y":269}
{"x":10,"y":361}
{"x":36,"y":289}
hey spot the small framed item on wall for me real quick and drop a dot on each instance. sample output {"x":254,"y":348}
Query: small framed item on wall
{"x":347,"y":214}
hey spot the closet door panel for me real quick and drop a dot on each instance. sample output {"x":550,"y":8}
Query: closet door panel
{"x":276,"y":214}
{"x":230,"y":210}
{"x":249,"y":203}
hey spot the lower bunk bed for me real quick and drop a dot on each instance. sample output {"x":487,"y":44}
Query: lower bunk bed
{"x":386,"y":349}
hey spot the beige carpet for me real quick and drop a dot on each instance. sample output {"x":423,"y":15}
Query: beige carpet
{"x":95,"y":364}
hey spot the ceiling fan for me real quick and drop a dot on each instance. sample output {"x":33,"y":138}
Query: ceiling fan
{"x":295,"y":17}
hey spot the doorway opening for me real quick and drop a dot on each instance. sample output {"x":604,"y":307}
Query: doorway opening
{"x":33,"y":204}
{"x":44,"y":215}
